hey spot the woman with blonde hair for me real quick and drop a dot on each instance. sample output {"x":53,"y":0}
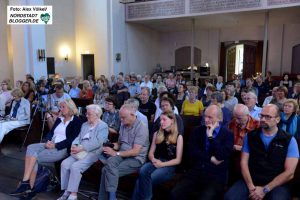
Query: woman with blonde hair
{"x":290,"y":121}
{"x":192,"y":106}
{"x":165,"y":153}
{"x":65,"y":129}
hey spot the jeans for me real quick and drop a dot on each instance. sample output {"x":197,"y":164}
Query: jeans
{"x":239,"y":191}
{"x":150,"y":176}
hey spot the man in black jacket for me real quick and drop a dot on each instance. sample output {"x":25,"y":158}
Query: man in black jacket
{"x":268,"y":161}
{"x":209,"y":150}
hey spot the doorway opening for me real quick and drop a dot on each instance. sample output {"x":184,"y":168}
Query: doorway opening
{"x":88,"y":67}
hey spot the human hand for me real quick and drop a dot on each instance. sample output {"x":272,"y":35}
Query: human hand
{"x":215,"y":161}
{"x":237,"y":147}
{"x":157,"y":163}
{"x":50,"y":145}
{"x":109,"y":151}
{"x":210,"y":128}
{"x":257,"y":194}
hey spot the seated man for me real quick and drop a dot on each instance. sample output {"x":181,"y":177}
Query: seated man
{"x":209,"y":150}
{"x":127,"y":155}
{"x":19,"y":114}
{"x":269,"y":159}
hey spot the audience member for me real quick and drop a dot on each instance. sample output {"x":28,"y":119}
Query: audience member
{"x":231,"y":100}
{"x":86,"y":92}
{"x":290,"y":120}
{"x":192,"y":106}
{"x":133,"y":87}
{"x":85,"y":150}
{"x":146,"y":106}
{"x":127,"y":155}
{"x":74,"y":91}
{"x":165,"y":153}
{"x":268,"y":161}
{"x":209,"y":150}
{"x":250,"y":102}
{"x":147,"y":83}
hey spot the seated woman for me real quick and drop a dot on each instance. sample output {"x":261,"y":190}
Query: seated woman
{"x":66,"y":128}
{"x":165,"y":153}
{"x":192,"y":106}
{"x":290,"y":121}
{"x":28,"y":90}
{"x":85,"y":150}
{"x":19,"y":114}
{"x":86,"y":92}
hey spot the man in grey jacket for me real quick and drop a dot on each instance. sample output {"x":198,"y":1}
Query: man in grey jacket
{"x":127,"y":155}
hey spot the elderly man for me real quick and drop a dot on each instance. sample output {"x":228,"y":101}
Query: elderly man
{"x":210,"y":147}
{"x":127,"y":155}
{"x":241,"y":124}
{"x":268,"y":161}
{"x":135,"y":104}
{"x":251,"y":101}
{"x":120,"y":90}
{"x":147,"y":83}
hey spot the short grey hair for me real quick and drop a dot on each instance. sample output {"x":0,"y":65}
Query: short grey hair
{"x":241,"y":107}
{"x":148,"y":90}
{"x":133,"y":102}
{"x":252,"y":94}
{"x":96,"y":109}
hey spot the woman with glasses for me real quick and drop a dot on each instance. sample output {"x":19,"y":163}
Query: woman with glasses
{"x":290,"y":121}
{"x":19,"y":114}
{"x":65,"y":129}
{"x":85,"y":150}
{"x":165,"y":153}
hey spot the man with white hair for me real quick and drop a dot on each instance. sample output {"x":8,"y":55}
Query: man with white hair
{"x":135,"y":104}
{"x":241,"y":124}
{"x":127,"y":155}
{"x":209,"y":151}
{"x":251,"y":101}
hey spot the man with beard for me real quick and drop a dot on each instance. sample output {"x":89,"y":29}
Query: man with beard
{"x":268,"y":161}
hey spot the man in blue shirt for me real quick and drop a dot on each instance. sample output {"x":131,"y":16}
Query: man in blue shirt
{"x":268,"y":161}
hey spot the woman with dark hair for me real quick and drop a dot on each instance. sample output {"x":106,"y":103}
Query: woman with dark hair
{"x":285,"y":81}
{"x":206,"y":99}
{"x":290,"y":121}
{"x":281,"y":96}
{"x":165,"y":153}
{"x":181,"y":96}
{"x":28,"y":91}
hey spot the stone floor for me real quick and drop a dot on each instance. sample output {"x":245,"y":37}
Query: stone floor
{"x":11,"y":171}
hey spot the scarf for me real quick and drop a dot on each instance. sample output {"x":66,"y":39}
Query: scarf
{"x":289,"y":125}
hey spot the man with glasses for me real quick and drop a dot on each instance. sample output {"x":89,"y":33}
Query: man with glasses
{"x":268,"y":160}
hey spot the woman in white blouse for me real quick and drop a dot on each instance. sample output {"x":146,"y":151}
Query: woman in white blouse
{"x":65,"y":129}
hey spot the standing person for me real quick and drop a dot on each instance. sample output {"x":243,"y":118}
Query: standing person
{"x":127,"y":155}
{"x":19,"y":114}
{"x":268,"y":161}
{"x":57,"y":147}
{"x":165,"y":153}
{"x":209,"y":151}
{"x":85,"y":150}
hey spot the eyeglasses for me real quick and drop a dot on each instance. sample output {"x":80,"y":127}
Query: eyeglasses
{"x":3,"y":84}
{"x":108,"y":103}
{"x":267,"y":117}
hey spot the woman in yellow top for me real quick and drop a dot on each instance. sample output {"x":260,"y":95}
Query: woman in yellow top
{"x":192,"y":106}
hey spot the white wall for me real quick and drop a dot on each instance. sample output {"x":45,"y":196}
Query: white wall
{"x":5,"y":64}
{"x":61,"y":34}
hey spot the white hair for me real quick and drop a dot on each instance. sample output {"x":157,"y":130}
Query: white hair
{"x":96,"y":109}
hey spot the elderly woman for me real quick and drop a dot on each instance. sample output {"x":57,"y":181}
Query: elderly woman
{"x":65,"y":129}
{"x":290,"y":121}
{"x":86,"y":92}
{"x":19,"y":114}
{"x":281,"y":96}
{"x":165,"y":153}
{"x":84,"y":152}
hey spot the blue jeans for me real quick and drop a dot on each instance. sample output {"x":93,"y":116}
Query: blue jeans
{"x":150,"y":176}
{"x":239,"y":191}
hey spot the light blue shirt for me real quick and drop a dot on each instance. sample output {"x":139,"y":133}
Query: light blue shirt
{"x":74,"y":92}
{"x":255,"y":112}
{"x":134,"y":89}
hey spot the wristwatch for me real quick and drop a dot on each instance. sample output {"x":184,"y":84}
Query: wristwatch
{"x":118,"y":153}
{"x":266,"y":189}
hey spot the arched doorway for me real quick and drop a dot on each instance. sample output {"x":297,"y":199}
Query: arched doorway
{"x":183,"y":57}
{"x":296,"y":60}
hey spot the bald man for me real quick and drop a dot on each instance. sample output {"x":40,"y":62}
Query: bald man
{"x":268,"y":161}
{"x":209,"y":150}
{"x":127,"y":155}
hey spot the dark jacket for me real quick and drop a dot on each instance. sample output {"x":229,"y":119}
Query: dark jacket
{"x":265,"y":165}
{"x":220,"y":147}
{"x":72,"y":131}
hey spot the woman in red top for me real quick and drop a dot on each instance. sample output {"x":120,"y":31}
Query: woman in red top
{"x":86,"y":92}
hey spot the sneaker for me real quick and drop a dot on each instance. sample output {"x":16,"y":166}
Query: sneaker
{"x":22,"y":189}
{"x":64,"y":197}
